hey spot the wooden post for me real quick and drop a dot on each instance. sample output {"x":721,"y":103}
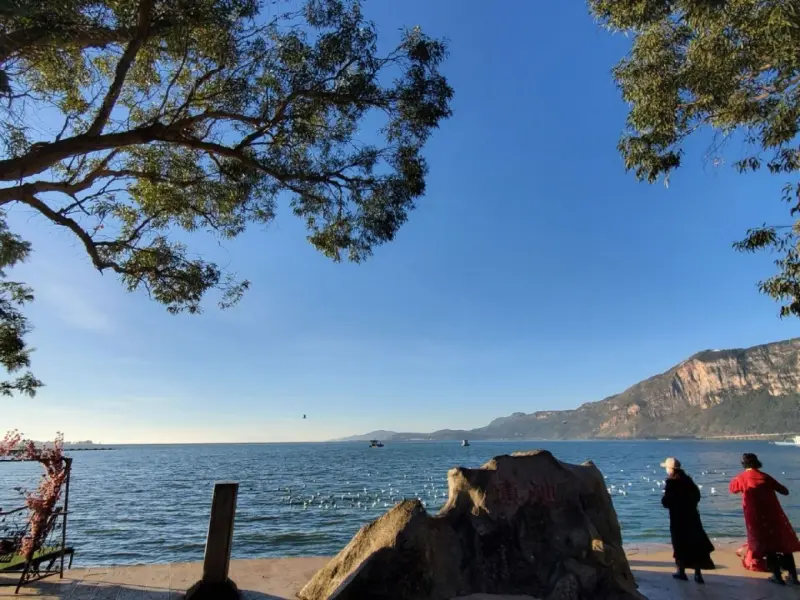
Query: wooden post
{"x":220,"y":533}
{"x":215,"y":583}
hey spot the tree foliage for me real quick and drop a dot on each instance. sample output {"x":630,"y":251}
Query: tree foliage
{"x":729,"y":65}
{"x":203,"y":115}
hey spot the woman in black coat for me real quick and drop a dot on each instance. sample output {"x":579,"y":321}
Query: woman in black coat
{"x":692,"y":548}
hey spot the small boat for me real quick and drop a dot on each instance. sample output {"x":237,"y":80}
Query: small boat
{"x":795,"y":441}
{"x":465,"y":442}
{"x":375,"y":444}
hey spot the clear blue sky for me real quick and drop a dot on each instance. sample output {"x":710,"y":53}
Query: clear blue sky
{"x":536,"y":274}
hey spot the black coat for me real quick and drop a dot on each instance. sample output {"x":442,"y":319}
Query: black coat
{"x":692,"y":548}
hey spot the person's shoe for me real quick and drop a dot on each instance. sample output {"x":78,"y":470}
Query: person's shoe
{"x":778,"y":580}
{"x":698,"y":577}
{"x":680,"y":575}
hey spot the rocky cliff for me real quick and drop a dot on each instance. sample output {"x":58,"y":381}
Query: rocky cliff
{"x":714,"y":392}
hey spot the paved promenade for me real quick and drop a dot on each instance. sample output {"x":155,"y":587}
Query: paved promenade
{"x":280,"y":579}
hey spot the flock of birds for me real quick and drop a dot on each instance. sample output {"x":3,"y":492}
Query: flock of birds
{"x":352,"y":496}
{"x":656,"y":482}
{"x":430,"y":494}
{"x":624,"y":489}
{"x":433,"y":493}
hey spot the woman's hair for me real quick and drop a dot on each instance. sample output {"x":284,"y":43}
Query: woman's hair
{"x":750,"y":461}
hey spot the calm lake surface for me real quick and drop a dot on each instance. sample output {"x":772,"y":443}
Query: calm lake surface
{"x":144,"y":504}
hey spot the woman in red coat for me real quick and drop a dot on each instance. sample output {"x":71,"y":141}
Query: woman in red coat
{"x":769,"y":533}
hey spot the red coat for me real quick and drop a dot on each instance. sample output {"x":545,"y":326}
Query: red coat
{"x":768,"y":528}
{"x":750,"y":562}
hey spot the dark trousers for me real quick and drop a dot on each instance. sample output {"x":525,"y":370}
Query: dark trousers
{"x":778,"y":562}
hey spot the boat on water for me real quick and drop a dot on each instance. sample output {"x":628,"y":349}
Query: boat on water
{"x":465,"y":442}
{"x":375,"y":444}
{"x":795,"y":441}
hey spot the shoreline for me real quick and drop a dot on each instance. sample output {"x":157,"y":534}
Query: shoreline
{"x":631,"y":549}
{"x":283,"y":578}
{"x":720,"y":544}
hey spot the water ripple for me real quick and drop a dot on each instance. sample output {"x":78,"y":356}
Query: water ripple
{"x":146,"y":504}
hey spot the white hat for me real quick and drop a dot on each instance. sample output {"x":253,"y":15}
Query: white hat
{"x":671,"y":463}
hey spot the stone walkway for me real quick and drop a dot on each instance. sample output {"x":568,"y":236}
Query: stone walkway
{"x":653,"y":567}
{"x":258,"y":579}
{"x":280,"y":579}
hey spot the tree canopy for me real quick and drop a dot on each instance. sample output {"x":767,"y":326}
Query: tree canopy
{"x":204,"y":115}
{"x":732,"y":66}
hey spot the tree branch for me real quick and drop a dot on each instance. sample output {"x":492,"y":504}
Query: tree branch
{"x":44,"y":156}
{"x":31,"y":200}
{"x":149,"y":176}
{"x":123,"y":66}
{"x":175,"y":77}
{"x":91,"y":37}
{"x":126,"y":243}
{"x":16,"y":193}
{"x":82,"y":35}
{"x":776,"y":89}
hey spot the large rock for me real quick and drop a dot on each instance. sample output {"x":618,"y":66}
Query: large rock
{"x":525,"y":524}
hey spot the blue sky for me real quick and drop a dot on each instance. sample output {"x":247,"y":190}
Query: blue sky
{"x":535,"y":274}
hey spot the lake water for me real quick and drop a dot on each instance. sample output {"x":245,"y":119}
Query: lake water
{"x":141,"y":504}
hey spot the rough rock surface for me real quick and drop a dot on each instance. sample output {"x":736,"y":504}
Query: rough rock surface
{"x":524,"y":524}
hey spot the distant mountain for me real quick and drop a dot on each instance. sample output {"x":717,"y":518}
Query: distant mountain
{"x":381,"y":434}
{"x":389,"y":436}
{"x":714,"y":392}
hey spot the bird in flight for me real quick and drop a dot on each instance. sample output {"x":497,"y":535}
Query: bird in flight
{"x":304,"y":416}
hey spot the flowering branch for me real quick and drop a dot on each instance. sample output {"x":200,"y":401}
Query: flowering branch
{"x":41,"y":502}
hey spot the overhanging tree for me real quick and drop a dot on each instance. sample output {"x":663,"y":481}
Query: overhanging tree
{"x":202,"y":115}
{"x":732,"y":66}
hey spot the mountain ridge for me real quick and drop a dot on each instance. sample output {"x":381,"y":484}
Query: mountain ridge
{"x":735,"y":391}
